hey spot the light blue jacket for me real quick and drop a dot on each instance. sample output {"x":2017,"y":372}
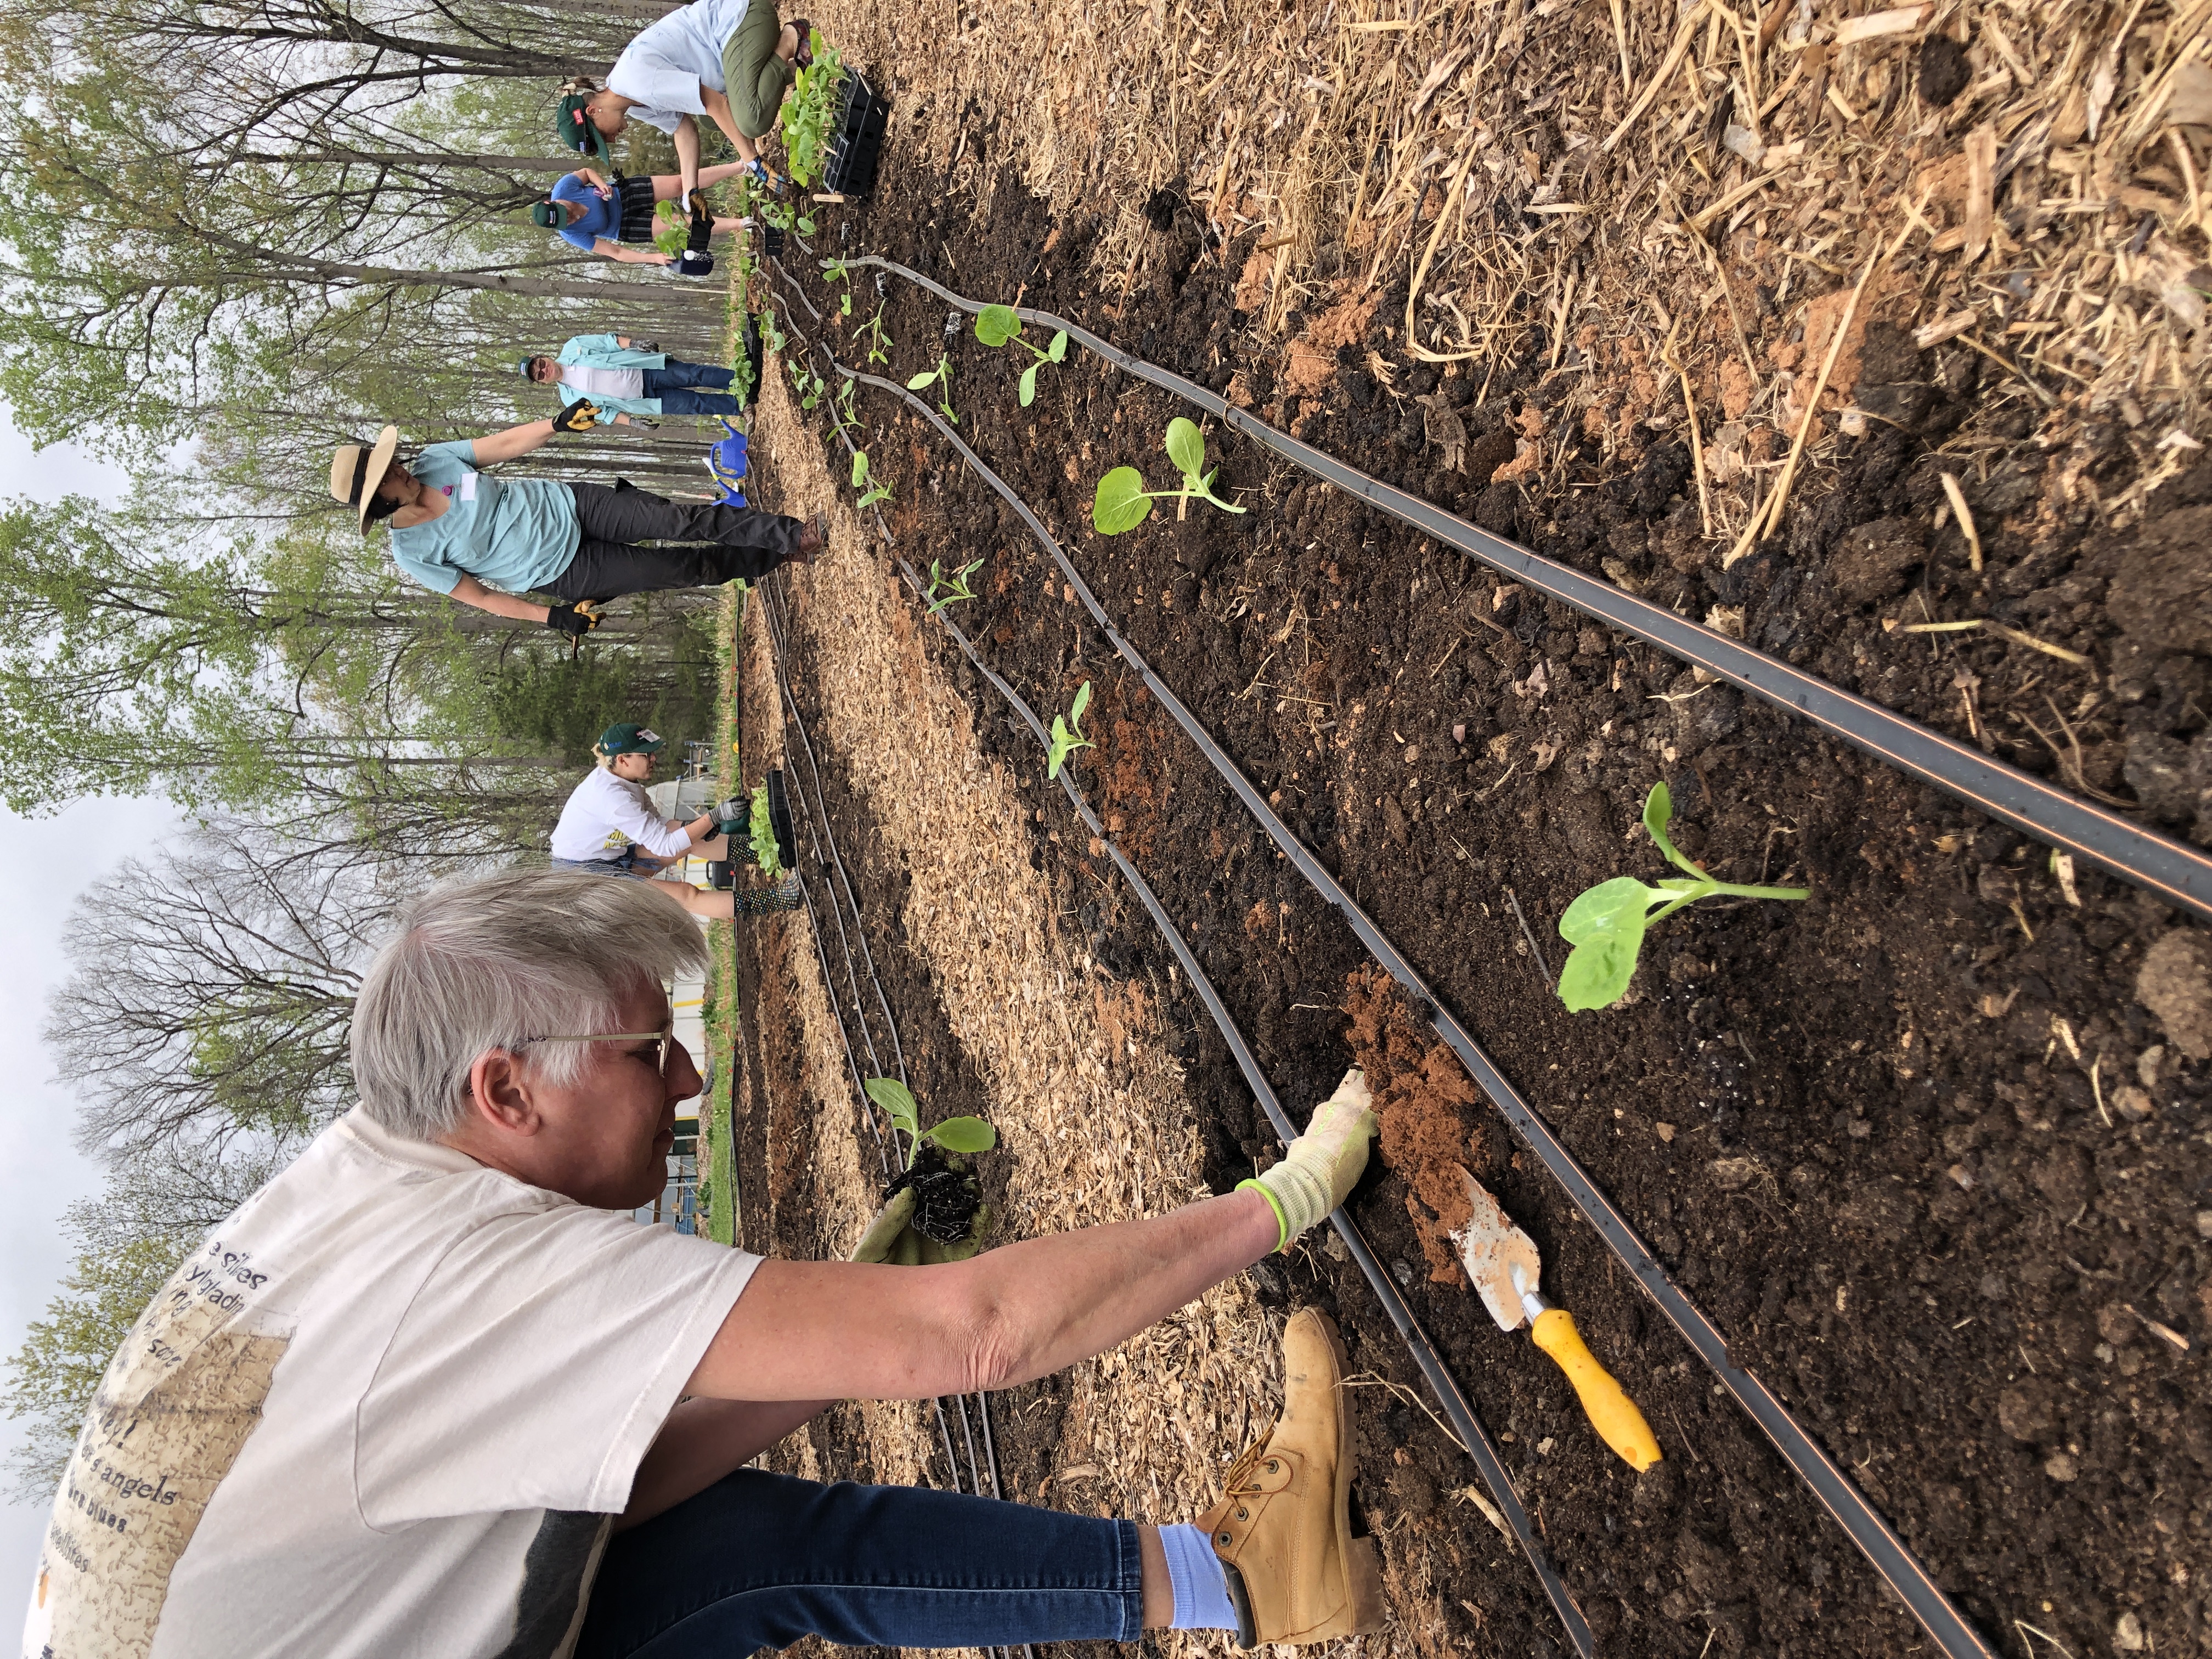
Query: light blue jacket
{"x":600,"y":351}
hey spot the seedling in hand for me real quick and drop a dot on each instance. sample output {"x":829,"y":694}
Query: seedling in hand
{"x":1123,"y":502}
{"x":873,"y":490}
{"x":954,"y":1135}
{"x":1606,"y":924}
{"x":1068,"y":733}
{"x":996,"y":324}
{"x":942,"y":375}
{"x":946,"y":590}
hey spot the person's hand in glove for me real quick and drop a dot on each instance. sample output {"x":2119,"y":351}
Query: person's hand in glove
{"x":762,"y":177}
{"x":893,"y":1238}
{"x":579,"y":417}
{"x":574,"y":620}
{"x":1322,"y":1164}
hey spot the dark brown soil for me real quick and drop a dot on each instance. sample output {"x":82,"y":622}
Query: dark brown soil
{"x":1914,"y":1144}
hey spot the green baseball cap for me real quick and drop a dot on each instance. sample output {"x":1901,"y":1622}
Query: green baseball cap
{"x":630,"y":739}
{"x":523,"y":368}
{"x":577,"y":132}
{"x":547,"y":214}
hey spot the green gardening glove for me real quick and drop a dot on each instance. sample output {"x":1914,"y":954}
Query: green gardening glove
{"x":1324,"y":1163}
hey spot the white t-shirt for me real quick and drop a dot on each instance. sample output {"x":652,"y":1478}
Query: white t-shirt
{"x":387,"y":1410}
{"x":664,"y":66}
{"x":604,"y":382}
{"x":605,"y":814}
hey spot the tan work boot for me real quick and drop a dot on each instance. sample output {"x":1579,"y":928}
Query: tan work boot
{"x":1284,"y":1531}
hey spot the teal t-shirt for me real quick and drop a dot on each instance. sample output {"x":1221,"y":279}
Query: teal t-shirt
{"x":515,"y":534}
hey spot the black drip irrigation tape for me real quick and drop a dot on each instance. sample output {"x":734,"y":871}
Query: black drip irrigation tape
{"x":1848,"y":1507}
{"x":2178,"y":874}
{"x":1466,"y":1428}
{"x":819,"y":830}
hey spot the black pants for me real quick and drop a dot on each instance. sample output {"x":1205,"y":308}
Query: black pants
{"x":728,"y":544}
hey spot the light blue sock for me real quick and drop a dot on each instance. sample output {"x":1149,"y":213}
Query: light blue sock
{"x":1201,"y":1592}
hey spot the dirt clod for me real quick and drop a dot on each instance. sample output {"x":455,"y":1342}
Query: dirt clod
{"x":2175,"y":983}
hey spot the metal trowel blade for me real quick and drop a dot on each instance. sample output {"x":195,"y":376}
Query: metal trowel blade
{"x":1489,"y":1247}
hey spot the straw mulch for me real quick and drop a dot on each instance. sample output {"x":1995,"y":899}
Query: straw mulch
{"x":1093,"y":1113}
{"x":1686,"y":200}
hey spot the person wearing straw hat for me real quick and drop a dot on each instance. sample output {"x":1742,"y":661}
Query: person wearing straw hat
{"x":487,"y":541}
{"x":731,"y":61}
{"x":613,"y":217}
{"x":610,"y":827}
{"x":624,"y":378}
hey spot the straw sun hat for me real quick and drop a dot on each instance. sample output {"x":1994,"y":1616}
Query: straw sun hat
{"x":357,"y":469}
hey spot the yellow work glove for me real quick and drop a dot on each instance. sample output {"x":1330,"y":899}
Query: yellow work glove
{"x":891,"y":1237}
{"x":1322,"y":1164}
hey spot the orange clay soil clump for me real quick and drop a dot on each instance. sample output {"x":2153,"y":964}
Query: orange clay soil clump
{"x":1423,"y":1098}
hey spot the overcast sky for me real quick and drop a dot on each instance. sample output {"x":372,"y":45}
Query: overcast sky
{"x":46,"y":864}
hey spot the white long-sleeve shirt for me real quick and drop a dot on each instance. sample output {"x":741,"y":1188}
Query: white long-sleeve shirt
{"x":606,"y":814}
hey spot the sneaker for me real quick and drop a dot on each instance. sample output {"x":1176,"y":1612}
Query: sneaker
{"x":1284,"y":1531}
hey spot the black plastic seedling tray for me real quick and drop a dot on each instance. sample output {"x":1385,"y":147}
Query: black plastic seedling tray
{"x":779,"y":821}
{"x":853,"y":153}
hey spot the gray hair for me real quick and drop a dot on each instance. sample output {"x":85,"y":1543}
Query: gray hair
{"x":483,"y":965}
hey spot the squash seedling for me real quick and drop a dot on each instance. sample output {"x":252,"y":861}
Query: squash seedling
{"x":946,"y":590}
{"x":1068,"y":733}
{"x":1123,"y":501}
{"x":873,"y":334}
{"x":1606,"y":924}
{"x":837,"y":270}
{"x":873,"y":490}
{"x":954,"y":1135}
{"x":942,"y":376}
{"x":997,"y":325}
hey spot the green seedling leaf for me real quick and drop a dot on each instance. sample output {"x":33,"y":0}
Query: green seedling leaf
{"x":876,"y":493}
{"x":1185,"y":449}
{"x":762,"y":834}
{"x":996,"y":324}
{"x":1607,"y":923}
{"x":920,"y":381}
{"x":1067,"y":733}
{"x":805,"y":225}
{"x":1121,"y":503}
{"x":1058,"y":351}
{"x":1028,"y":386}
{"x":962,"y":1134}
{"x":860,"y":468}
{"x":1606,"y":927}
{"x":845,"y":304}
{"x":1082,"y":701}
{"x":897,"y":1101}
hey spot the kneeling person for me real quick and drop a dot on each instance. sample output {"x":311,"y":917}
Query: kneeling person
{"x":610,"y":827}
{"x":401,"y":1398}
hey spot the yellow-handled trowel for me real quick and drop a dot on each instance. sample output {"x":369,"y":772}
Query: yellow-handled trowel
{"x":1504,"y":1264}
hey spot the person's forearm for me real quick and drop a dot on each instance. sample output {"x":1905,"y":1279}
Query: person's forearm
{"x":637,"y":256}
{"x":687,"y":157}
{"x":702,"y":1441}
{"x":515,"y":442}
{"x":1005,"y":1316}
{"x":473,"y":593}
{"x":717,"y":106}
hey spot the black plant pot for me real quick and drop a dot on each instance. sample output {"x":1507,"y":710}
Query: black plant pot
{"x":779,"y":821}
{"x":771,"y":242}
{"x":850,"y":168}
{"x":718,"y":875}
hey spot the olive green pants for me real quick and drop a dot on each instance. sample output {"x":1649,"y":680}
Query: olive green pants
{"x":753,"y":77}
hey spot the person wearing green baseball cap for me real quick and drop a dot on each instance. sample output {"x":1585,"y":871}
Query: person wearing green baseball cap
{"x":487,"y":541}
{"x":731,"y":61}
{"x":610,"y":827}
{"x":613,"y":217}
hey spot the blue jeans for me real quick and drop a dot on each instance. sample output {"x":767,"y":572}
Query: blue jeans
{"x":673,"y":386}
{"x":758,"y":1560}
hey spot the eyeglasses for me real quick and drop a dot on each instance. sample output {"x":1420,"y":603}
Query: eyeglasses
{"x":664,"y":1043}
